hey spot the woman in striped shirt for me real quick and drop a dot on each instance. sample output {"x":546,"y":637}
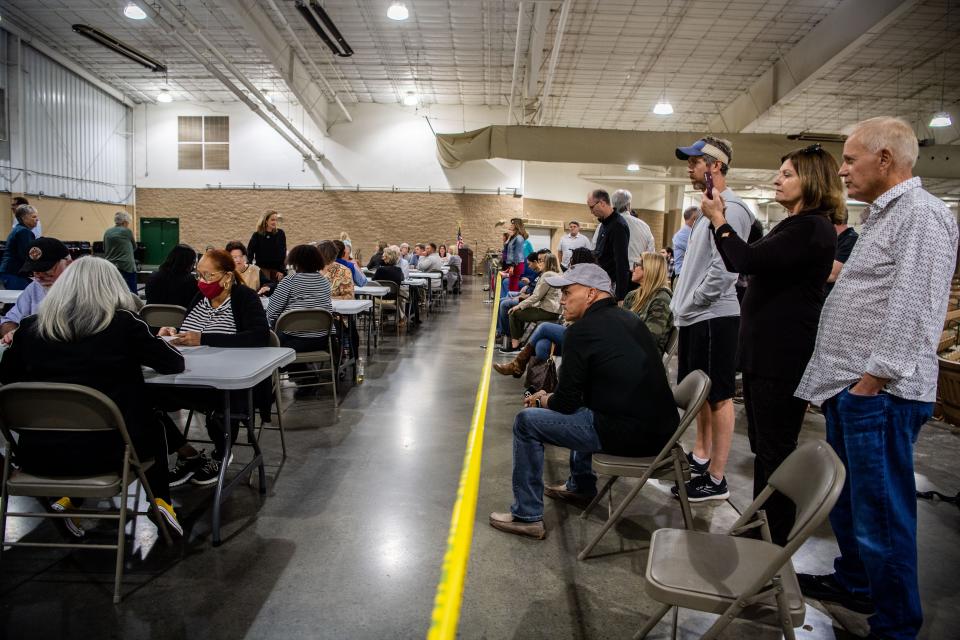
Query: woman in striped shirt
{"x":224,"y":313}
{"x":305,"y":289}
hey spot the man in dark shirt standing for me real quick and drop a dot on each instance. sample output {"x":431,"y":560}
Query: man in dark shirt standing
{"x":846,"y":238}
{"x":613,"y":396}
{"x":611,"y":242}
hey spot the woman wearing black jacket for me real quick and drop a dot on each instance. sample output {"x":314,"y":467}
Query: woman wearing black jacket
{"x":87,"y":332}
{"x":173,"y":281}
{"x":268,"y":247}
{"x":224,"y":313}
{"x":787,"y":270}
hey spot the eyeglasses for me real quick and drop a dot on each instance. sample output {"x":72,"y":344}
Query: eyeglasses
{"x":213,"y":276}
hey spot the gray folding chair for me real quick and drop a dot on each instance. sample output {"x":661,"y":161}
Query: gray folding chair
{"x":51,"y":408}
{"x":298,"y":320}
{"x":689,"y":395}
{"x":275,"y":384}
{"x":733,"y":576}
{"x":671,"y":348}
{"x":163,"y":315}
{"x":394,"y":306}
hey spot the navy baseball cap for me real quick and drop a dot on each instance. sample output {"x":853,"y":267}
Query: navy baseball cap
{"x":43,"y":254}
{"x":702,"y":147}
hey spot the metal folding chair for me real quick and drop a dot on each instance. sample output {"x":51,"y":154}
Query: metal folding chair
{"x":303,"y":320}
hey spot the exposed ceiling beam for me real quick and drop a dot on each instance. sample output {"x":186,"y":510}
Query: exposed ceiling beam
{"x":516,"y":63}
{"x":538,"y":34}
{"x":277,"y":48}
{"x":851,"y":25}
{"x":554,"y":56}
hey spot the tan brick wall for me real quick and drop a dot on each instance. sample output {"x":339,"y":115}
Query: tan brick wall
{"x":70,"y":219}
{"x":212,"y":217}
{"x":656,"y":220}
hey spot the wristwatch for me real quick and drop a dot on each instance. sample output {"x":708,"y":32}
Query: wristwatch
{"x":537,"y":402}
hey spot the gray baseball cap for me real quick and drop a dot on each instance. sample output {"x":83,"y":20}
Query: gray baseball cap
{"x":589,"y":275}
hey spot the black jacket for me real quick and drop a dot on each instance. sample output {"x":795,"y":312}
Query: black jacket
{"x":613,"y":238}
{"x":165,"y":287}
{"x":392,"y":273}
{"x":268,"y":250}
{"x":786,"y":270}
{"x":612,"y":366}
{"x":249,"y":317}
{"x":376,"y":260}
{"x":109,"y":361}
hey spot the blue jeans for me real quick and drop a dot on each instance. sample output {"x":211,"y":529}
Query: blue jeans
{"x":503,"y":324}
{"x":875,"y":519}
{"x":531,"y":429}
{"x":13,"y":281}
{"x":131,"y":280}
{"x":544,"y":335}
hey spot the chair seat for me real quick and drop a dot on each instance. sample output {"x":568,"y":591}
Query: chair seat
{"x":106,"y":485}
{"x":706,"y":572}
{"x":628,"y":467}
{"x":311,"y":356}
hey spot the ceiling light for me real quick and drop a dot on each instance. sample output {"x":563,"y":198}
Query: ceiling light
{"x":398,"y":11}
{"x":120,"y":47}
{"x":134,"y":12}
{"x":164,"y":96}
{"x":663,"y":108}
{"x":411,"y":99}
{"x":633,"y":167}
{"x":941,"y":119}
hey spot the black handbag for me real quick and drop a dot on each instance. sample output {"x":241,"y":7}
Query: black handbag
{"x":542,"y":374}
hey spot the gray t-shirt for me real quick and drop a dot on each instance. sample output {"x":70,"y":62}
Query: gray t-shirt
{"x":568,"y":243}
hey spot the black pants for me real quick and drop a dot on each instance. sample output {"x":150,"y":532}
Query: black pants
{"x":210,"y":403}
{"x":774,"y":418}
{"x":300,"y":345}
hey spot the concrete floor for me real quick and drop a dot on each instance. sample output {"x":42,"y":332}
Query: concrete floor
{"x":349,"y":540}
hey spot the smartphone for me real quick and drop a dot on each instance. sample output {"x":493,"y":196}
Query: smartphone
{"x":709,"y":180}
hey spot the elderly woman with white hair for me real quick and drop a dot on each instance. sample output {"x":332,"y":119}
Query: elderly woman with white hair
{"x":87,"y":332}
{"x":118,"y":247}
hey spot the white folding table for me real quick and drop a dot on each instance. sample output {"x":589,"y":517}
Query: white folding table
{"x":227,"y":369}
{"x":9,"y":296}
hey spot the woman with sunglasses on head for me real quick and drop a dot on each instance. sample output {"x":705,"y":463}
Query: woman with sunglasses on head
{"x":787,"y":270}
{"x":224,"y":313}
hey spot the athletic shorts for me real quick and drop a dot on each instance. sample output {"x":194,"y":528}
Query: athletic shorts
{"x":711,"y":346}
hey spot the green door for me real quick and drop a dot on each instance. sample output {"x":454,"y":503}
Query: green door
{"x":159,"y":235}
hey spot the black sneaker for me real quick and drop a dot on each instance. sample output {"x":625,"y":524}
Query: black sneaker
{"x":185,"y":468}
{"x":697,"y":469}
{"x":704,"y":488}
{"x":208,"y":473}
{"x":510,"y":350}
{"x":826,"y":589}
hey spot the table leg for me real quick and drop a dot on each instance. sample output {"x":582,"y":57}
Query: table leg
{"x":228,"y":446}
{"x":369,"y":330}
{"x":252,"y":436}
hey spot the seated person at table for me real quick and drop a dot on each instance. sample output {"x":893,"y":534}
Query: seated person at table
{"x":430,"y":262}
{"x":377,"y":258}
{"x":173,"y":282}
{"x":46,"y":260}
{"x":305,"y":289}
{"x":343,"y":253}
{"x":612,"y":397}
{"x":454,"y":278}
{"x":651,"y":299}
{"x":253,"y":276}
{"x":543,"y":305}
{"x":224,"y":313}
{"x":339,"y":276}
{"x":87,"y":332}
{"x":388,"y":269}
{"x":513,"y":298}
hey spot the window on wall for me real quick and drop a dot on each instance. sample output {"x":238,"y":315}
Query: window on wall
{"x":203,"y":142}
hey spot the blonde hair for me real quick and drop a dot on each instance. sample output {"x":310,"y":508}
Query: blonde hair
{"x":654,"y":278}
{"x":885,"y":132}
{"x":262,"y":225}
{"x":549,"y":262}
{"x":391,"y":255}
{"x":83,"y":301}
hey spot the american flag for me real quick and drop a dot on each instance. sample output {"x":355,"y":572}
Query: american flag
{"x":459,"y":239}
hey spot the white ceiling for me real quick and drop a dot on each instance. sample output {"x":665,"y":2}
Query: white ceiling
{"x":617,"y":57}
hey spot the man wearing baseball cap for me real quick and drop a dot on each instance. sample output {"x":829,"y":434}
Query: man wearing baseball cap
{"x":46,"y":259}
{"x":623,"y":406}
{"x":706,"y":310}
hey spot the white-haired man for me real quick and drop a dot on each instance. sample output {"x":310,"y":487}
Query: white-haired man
{"x":118,"y":247}
{"x":874,"y":373}
{"x":641,"y":238}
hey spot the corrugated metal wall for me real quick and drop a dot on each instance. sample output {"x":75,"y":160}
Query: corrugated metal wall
{"x":78,"y":139}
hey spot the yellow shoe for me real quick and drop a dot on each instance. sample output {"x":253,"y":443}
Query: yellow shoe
{"x":169,"y":517}
{"x":72,"y":524}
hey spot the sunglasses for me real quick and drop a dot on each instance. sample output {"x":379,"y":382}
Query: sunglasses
{"x":814,"y":148}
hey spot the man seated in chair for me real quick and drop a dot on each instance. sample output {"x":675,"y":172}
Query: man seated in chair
{"x":46,"y":260}
{"x":612,"y":397}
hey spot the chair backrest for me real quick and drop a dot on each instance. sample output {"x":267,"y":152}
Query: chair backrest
{"x":163,"y":315}
{"x":390,"y":284}
{"x":297,"y":320}
{"x":274,"y":340}
{"x":689,"y":396}
{"x":672,"y":341}
{"x":53,"y":406}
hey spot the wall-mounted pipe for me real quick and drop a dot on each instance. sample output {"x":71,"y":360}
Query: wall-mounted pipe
{"x":516,"y":63}
{"x":554,"y":56}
